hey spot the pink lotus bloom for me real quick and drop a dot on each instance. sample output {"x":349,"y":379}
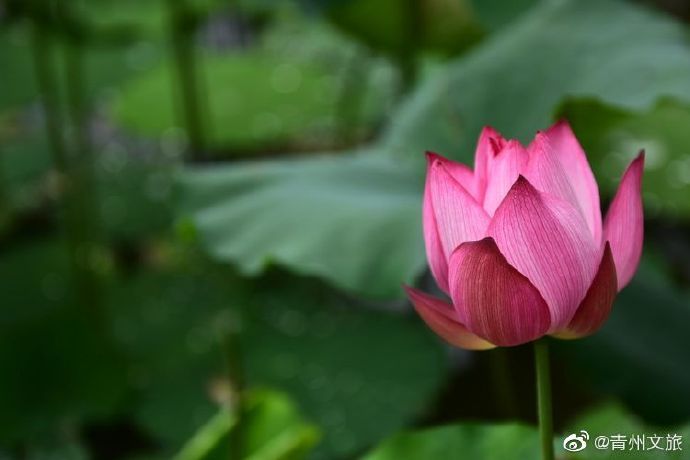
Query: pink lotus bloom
{"x":518,"y":244}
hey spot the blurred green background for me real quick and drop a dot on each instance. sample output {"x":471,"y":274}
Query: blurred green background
{"x":207,"y":208}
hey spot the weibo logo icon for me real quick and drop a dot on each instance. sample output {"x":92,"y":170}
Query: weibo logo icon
{"x":576,"y":442}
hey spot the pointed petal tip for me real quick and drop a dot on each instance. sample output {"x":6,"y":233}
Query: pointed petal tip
{"x":522,"y":184}
{"x":491,"y":132}
{"x":636,"y":166}
{"x":561,"y":128}
{"x":561,"y":124}
{"x":409,"y":290}
{"x":435,"y":159}
{"x":624,"y":222}
{"x":431,"y":156}
{"x":639,"y":159}
{"x":541,"y":140}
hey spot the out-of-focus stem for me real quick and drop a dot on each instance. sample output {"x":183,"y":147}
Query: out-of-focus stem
{"x":182,"y":29}
{"x":541,"y":361}
{"x":232,"y":347}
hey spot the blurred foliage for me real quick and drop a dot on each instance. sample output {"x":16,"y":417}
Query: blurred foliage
{"x":338,"y":386}
{"x":612,"y":137}
{"x":256,"y":103}
{"x":356,"y":393}
{"x":641,"y":352}
{"x":439,"y":116}
{"x":15,"y":60}
{"x":163,"y":324}
{"x":514,"y":80}
{"x":57,"y":369}
{"x":489,"y":442}
{"x":106,"y":66}
{"x":327,"y":371}
{"x":513,"y":441}
{"x":446,"y":26}
{"x":303,"y":87}
{"x":496,"y":14}
{"x":272,"y":429}
{"x":25,"y":163}
{"x":147,"y":19}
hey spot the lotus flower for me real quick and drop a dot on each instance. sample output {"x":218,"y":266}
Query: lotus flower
{"x":518,"y":244}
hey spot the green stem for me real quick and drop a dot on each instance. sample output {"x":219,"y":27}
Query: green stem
{"x":541,"y":359}
{"x":182,"y":31}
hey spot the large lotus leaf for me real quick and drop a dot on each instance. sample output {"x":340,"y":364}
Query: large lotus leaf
{"x":251,"y":214}
{"x":331,"y":357}
{"x":336,"y":360}
{"x":625,"y":55}
{"x":466,"y":441}
{"x":352,"y":217}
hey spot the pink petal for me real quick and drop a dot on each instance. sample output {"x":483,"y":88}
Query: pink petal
{"x":456,"y":214}
{"x":432,"y":241}
{"x":548,"y":241}
{"x":597,"y":304}
{"x":572,"y":157}
{"x":505,"y":169}
{"x":490,"y":143}
{"x":545,"y":172}
{"x":441,"y":318}
{"x":492,"y":298}
{"x":624,"y":223}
